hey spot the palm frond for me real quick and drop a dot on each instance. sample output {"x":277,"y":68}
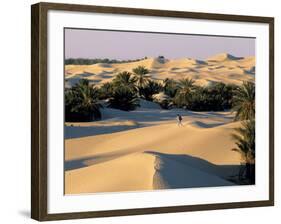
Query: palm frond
{"x":244,"y":101}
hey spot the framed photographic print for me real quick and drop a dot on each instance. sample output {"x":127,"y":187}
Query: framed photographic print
{"x":139,"y":111}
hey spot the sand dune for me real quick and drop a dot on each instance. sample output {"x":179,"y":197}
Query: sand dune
{"x":181,"y":171}
{"x":148,"y":114}
{"x":218,"y":68}
{"x":223,"y":57}
{"x":142,"y":171}
{"x":167,"y":138}
{"x":145,"y":149}
{"x":127,"y":173}
{"x":157,"y":156}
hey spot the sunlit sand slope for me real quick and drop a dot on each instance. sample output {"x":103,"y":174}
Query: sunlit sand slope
{"x":156,"y":157}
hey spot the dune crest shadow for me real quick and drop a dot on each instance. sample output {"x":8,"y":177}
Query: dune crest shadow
{"x":93,"y":160}
{"x":185,"y":171}
{"x":201,"y":124}
{"x":80,"y":131}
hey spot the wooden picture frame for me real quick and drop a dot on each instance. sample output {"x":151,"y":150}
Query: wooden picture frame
{"x":39,"y":109}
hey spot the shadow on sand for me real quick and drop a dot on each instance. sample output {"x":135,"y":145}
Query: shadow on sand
{"x":171,"y":170}
{"x":184,"y":171}
{"x":142,"y":118}
{"x":80,"y":131}
{"x":92,"y":160}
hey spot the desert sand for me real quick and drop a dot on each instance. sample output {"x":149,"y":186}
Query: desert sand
{"x":218,"y":68}
{"x":145,"y":149}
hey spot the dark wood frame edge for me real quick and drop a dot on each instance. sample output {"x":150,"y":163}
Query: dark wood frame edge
{"x":38,"y":112}
{"x":39,"y":209}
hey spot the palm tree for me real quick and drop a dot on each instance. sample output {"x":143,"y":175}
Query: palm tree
{"x":245,"y":142}
{"x":185,"y":88}
{"x":124,"y":98}
{"x":170,"y":87}
{"x":216,"y":96}
{"x":152,"y":87}
{"x":106,"y":90}
{"x":81,"y":102}
{"x":244,"y":101}
{"x":228,"y":95}
{"x":125,"y":79}
{"x":140,"y":73}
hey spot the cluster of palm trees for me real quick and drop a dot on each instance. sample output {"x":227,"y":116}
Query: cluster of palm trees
{"x":125,"y":90}
{"x":81,"y":102}
{"x":185,"y":94}
{"x":244,"y":105}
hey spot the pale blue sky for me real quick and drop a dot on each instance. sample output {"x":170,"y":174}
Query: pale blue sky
{"x":134,"y":45}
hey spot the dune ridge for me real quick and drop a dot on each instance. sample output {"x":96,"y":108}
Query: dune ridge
{"x":172,"y":173}
{"x":145,"y":171}
{"x":170,"y":157}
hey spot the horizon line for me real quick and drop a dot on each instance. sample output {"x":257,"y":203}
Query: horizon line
{"x":151,"y":57}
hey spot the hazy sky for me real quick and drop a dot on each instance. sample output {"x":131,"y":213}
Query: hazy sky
{"x":133,"y":45}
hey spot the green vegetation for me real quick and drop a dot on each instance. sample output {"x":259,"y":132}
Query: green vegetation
{"x":151,"y":88}
{"x":125,"y":90}
{"x":170,"y":87}
{"x":218,"y":97}
{"x":141,"y":74}
{"x":124,"y":98}
{"x":125,"y":79}
{"x":88,"y":61}
{"x":244,"y":101}
{"x":245,"y":142}
{"x":106,"y":90}
{"x":81,"y":102}
{"x":244,"y":106}
{"x":183,"y":95}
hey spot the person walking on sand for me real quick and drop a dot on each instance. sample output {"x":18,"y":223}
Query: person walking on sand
{"x":179,"y":119}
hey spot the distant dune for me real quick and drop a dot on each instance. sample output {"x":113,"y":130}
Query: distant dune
{"x":224,"y":57}
{"x":218,"y":68}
